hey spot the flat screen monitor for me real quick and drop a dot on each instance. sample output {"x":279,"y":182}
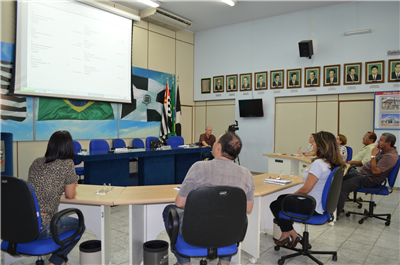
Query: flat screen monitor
{"x":251,"y":108}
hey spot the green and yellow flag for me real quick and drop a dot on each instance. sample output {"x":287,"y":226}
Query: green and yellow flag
{"x":68,"y":109}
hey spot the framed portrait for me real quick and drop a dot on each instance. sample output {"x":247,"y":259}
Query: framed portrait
{"x":375,"y":72}
{"x":352,"y":73}
{"x":332,"y":75}
{"x":245,"y":82}
{"x":276,"y":79}
{"x":205,"y":85}
{"x":231,"y":83}
{"x":261,"y":80}
{"x":218,"y":84}
{"x":293,"y":78}
{"x":312,"y":76}
{"x":394,"y":70}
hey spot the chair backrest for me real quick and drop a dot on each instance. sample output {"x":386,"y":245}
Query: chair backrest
{"x":215,"y":217}
{"x":138,"y":143}
{"x":332,"y":188}
{"x":349,"y":153}
{"x":20,"y":214}
{"x":393,"y":174}
{"x":77,"y":148}
{"x":174,"y":141}
{"x":99,"y":145}
{"x":149,"y":139}
{"x":119,"y":143}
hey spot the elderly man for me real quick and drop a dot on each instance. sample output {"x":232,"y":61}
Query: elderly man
{"x":207,"y":139}
{"x":224,"y":172}
{"x":384,"y":157}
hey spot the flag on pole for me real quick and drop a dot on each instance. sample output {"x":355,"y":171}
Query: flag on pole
{"x":166,"y":121}
{"x":172,"y":110}
{"x":178,"y":113}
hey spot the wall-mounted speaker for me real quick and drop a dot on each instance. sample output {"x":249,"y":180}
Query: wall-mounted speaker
{"x":306,"y":48}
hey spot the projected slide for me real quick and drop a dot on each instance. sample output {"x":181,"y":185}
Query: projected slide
{"x":69,"y":50}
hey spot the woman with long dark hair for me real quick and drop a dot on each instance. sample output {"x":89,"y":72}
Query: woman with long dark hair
{"x":314,"y":177}
{"x":49,"y":177}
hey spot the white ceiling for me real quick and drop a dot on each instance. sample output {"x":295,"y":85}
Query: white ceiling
{"x":209,"y":14}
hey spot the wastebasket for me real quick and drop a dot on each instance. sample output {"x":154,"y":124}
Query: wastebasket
{"x":155,"y":252}
{"x":90,"y":252}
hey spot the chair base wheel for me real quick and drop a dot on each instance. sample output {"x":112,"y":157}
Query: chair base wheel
{"x":203,"y":262}
{"x":347,"y":214}
{"x":387,"y":223}
{"x":280,"y":262}
{"x":334,"y":257}
{"x":277,"y":248}
{"x":40,"y":262}
{"x":361,"y":221}
{"x":359,"y":206}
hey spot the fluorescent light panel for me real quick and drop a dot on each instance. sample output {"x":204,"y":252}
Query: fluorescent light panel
{"x":149,"y":3}
{"x":229,"y":2}
{"x":110,"y":9}
{"x":355,"y":32}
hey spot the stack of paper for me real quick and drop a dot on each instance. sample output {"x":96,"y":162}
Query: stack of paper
{"x":278,"y":181}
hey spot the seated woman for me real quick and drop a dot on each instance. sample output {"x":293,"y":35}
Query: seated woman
{"x":342,"y":141}
{"x":314,"y":178}
{"x":49,"y":177}
{"x":310,"y":151}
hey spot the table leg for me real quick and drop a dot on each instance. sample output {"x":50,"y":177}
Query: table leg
{"x":251,"y":243}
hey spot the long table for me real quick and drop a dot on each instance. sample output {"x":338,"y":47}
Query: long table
{"x":147,"y":203}
{"x":155,"y":167}
{"x":287,"y":163}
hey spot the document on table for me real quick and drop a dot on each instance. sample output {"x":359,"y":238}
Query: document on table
{"x":277,"y":181}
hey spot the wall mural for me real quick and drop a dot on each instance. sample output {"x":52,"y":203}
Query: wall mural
{"x":34,"y":118}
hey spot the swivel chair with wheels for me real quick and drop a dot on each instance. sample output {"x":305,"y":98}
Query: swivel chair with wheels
{"x":349,"y":153}
{"x":80,"y":171}
{"x":214,"y":223}
{"x":381,"y":190}
{"x":21,"y":222}
{"x":330,"y":198}
{"x":118,"y":143}
{"x":149,"y":139}
{"x":174,"y":141}
{"x":137,"y":143}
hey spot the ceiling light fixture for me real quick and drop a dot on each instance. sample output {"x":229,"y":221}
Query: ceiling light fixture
{"x":355,"y":32}
{"x":149,"y":3}
{"x":229,"y":2}
{"x":110,"y":9}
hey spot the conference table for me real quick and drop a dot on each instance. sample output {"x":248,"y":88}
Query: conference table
{"x":146,"y":205}
{"x":287,"y":163}
{"x":155,"y":167}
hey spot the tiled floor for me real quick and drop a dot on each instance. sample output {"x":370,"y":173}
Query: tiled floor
{"x":369,"y":243}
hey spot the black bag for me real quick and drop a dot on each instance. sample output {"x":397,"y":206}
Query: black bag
{"x":154,"y":144}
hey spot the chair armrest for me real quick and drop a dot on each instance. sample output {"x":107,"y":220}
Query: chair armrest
{"x":375,"y":176}
{"x":244,"y":230}
{"x":56,"y":218}
{"x":173,"y":225}
{"x":307,"y":197}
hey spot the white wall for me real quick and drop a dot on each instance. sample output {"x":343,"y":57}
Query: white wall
{"x":272,"y":44}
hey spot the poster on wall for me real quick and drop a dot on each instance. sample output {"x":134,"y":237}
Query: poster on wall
{"x":387,"y":110}
{"x":142,"y":117}
{"x":16,"y":112}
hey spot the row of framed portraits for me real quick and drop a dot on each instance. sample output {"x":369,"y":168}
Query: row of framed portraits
{"x":352,"y":75}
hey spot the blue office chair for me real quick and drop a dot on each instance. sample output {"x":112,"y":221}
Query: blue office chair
{"x":80,"y":171}
{"x":99,"y":145}
{"x":381,"y":190}
{"x":21,"y":222}
{"x":349,"y":153}
{"x":118,"y":143}
{"x":174,"y":141}
{"x":137,"y":143}
{"x":330,"y":198}
{"x":7,"y":155}
{"x":214,"y":223}
{"x":149,"y":139}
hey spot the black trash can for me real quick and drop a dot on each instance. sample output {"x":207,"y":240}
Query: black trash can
{"x":90,"y":252}
{"x":155,"y":252}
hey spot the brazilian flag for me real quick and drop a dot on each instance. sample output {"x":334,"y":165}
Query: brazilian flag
{"x":68,"y":109}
